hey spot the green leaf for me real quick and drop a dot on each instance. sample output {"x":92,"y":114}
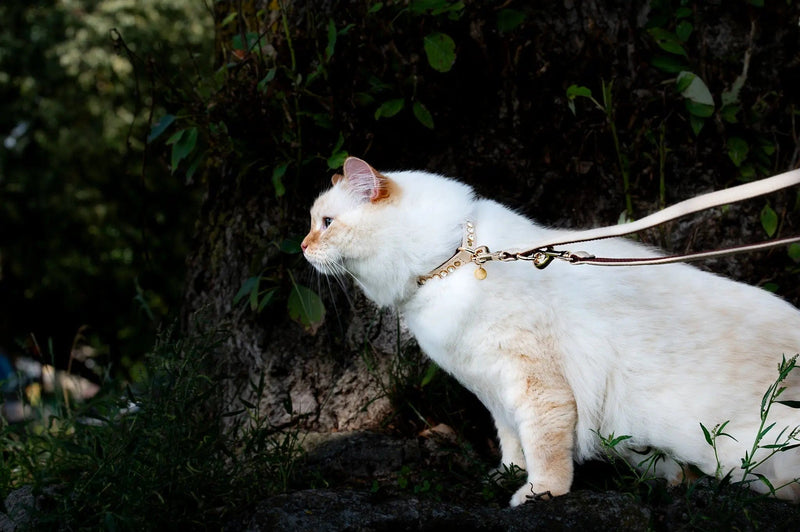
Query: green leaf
{"x":683,"y":81}
{"x":250,"y":40}
{"x":430,"y":373}
{"x":264,"y":83}
{"x":769,"y":220}
{"x":160,"y":126}
{"x":694,"y":89}
{"x":738,"y":150}
{"x":337,"y":159}
{"x":667,"y":41}
{"x":729,"y":113}
{"x":374,"y":8}
{"x":683,"y":12}
{"x":668,"y":63}
{"x":441,"y":51}
{"x":616,"y":441}
{"x":699,"y":110}
{"x":266,"y":299}
{"x":794,"y":252}
{"x":338,"y":155}
{"x":228,"y":19}
{"x":573,"y":91}
{"x":331,"y":39}
{"x":290,"y":245}
{"x":509,"y":19}
{"x":684,"y":30}
{"x":306,"y":307}
{"x":277,"y":179}
{"x":422,"y":114}
{"x":249,"y":285}
{"x":790,"y":404}
{"x":389,"y":108}
{"x":707,"y":434}
{"x":696,"y":124}
{"x":183,"y":142}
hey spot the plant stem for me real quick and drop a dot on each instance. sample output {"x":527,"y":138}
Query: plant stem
{"x":623,"y":167}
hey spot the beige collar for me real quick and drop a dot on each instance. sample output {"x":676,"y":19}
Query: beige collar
{"x":464,"y":254}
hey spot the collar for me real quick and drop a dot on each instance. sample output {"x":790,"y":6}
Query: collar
{"x":463,"y":255}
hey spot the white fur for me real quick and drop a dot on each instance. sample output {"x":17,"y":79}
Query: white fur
{"x":560,"y":354}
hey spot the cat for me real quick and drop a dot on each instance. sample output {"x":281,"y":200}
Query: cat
{"x":563,"y":355}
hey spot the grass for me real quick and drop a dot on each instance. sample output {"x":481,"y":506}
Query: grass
{"x":182,"y":459}
{"x":170,"y":463}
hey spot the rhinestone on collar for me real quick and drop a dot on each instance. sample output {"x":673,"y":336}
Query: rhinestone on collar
{"x":464,"y":254}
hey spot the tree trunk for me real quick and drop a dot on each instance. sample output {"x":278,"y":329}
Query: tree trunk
{"x":501,"y":122}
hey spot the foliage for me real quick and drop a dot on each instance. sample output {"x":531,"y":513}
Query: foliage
{"x":87,"y":214}
{"x":639,"y":478}
{"x":155,"y":456}
{"x":785,"y":440}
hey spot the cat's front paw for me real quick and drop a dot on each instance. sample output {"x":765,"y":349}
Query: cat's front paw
{"x":527,"y":493}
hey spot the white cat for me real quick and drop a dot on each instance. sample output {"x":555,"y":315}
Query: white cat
{"x":563,"y":354}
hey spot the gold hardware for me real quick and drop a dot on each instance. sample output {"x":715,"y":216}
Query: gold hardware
{"x":480,"y":273}
{"x":541,"y":259}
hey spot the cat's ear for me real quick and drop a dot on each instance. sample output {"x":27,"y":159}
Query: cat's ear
{"x":336,"y":178}
{"x":365,"y":180}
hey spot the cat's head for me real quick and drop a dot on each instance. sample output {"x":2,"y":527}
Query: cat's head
{"x":385,"y":230}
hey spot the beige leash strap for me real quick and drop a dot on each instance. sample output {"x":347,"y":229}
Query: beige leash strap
{"x":545,"y":252}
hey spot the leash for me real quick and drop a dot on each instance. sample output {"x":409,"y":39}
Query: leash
{"x":544,"y":253}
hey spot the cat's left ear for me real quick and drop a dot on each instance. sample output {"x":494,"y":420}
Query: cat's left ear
{"x":365,"y":180}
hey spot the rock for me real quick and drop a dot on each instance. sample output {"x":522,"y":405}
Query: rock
{"x":331,"y":510}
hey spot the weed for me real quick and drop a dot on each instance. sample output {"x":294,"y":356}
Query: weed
{"x":502,"y":482}
{"x":785,"y":440}
{"x":573,"y":92}
{"x":639,"y":478}
{"x":169,"y":461}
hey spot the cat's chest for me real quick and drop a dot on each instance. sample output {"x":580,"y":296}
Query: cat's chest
{"x":444,"y":323}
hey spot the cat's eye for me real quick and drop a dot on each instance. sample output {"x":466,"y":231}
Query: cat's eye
{"x":326,"y":221}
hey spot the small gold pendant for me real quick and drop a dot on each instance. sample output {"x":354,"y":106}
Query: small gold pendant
{"x":480,"y":273}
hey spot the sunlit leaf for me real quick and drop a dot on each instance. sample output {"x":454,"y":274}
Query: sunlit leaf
{"x":694,"y":89}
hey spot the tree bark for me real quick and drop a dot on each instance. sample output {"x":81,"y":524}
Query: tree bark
{"x":501,"y":123}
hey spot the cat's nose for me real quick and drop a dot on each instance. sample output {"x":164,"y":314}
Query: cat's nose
{"x":303,"y":245}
